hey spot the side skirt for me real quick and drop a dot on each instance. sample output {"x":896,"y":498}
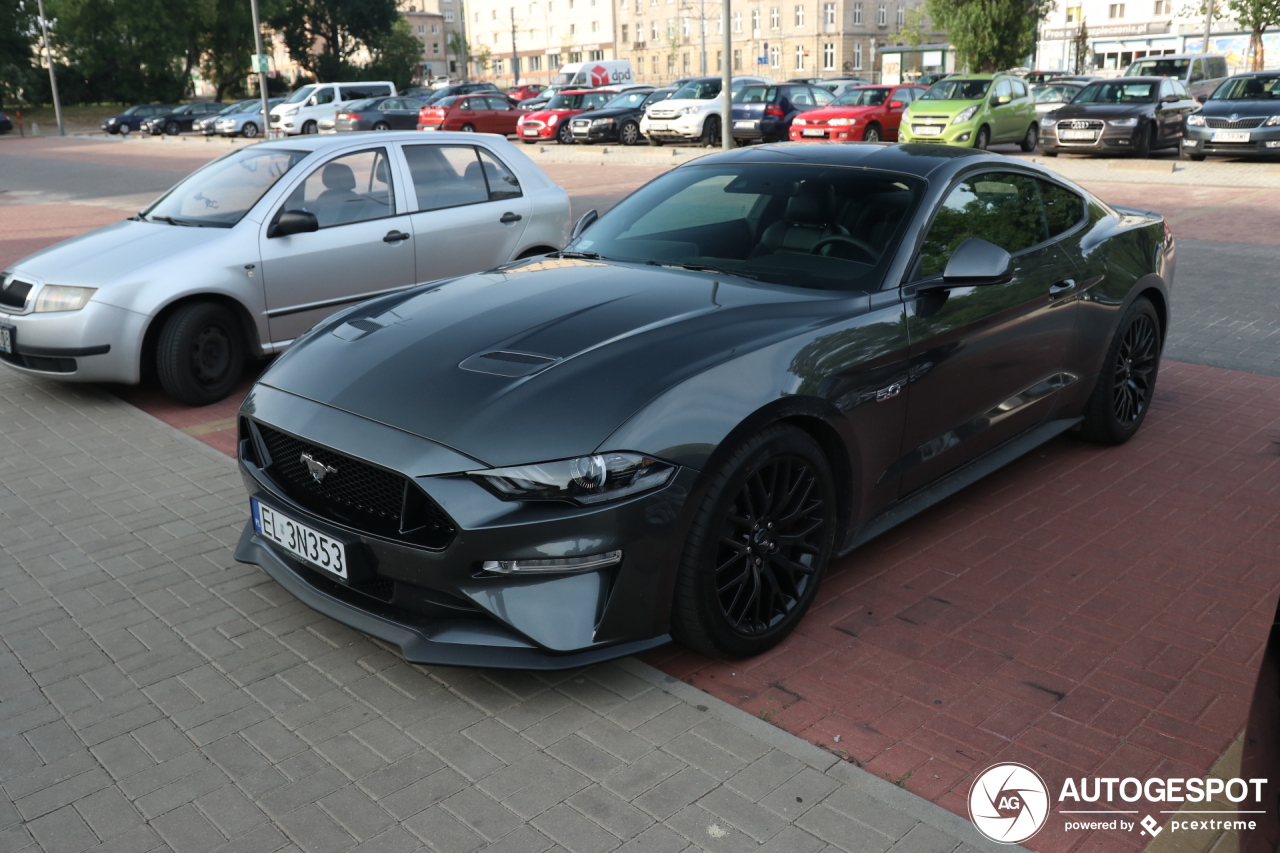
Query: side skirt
{"x":961,"y":478}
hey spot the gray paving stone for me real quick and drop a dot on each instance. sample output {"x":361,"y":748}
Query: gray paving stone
{"x":444,"y":832}
{"x":358,"y":814}
{"x":315,"y":831}
{"x":185,"y":830}
{"x":108,"y":813}
{"x":574,"y":832}
{"x":670,"y":795}
{"x":736,"y":810}
{"x":63,"y":830}
{"x":842,"y":832}
{"x":483,"y":814}
{"x":611,"y":811}
{"x":585,"y":757}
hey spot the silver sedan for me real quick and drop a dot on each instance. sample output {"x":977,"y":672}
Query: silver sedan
{"x":247,"y":253}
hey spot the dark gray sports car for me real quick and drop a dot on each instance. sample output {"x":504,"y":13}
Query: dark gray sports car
{"x":753,"y":364}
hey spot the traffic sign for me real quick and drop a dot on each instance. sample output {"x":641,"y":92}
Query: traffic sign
{"x":260,"y":63}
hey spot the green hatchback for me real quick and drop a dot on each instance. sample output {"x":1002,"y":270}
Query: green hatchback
{"x":973,"y":110}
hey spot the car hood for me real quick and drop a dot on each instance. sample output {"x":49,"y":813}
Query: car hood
{"x":1102,"y":111}
{"x":941,"y":108}
{"x":1213,"y":107}
{"x":672,"y":105}
{"x":613,"y":113}
{"x":828,"y":113}
{"x":584,"y":346}
{"x":109,"y":254}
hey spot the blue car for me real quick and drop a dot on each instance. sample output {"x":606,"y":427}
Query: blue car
{"x":132,"y":118}
{"x":763,"y":111}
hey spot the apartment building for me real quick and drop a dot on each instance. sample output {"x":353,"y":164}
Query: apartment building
{"x":541,"y":34}
{"x":773,"y":38}
{"x":435,"y":23}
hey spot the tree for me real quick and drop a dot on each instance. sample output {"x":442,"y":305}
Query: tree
{"x":482,"y":57}
{"x":396,"y":56}
{"x":990,"y":35}
{"x":1080,"y":49}
{"x":915,"y":27}
{"x":19,"y":36}
{"x":1256,"y":16}
{"x":325,"y":36}
{"x":459,"y":48}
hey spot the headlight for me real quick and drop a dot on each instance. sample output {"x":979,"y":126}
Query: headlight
{"x":965,"y":114}
{"x":601,"y":121}
{"x":1123,"y":122}
{"x":842,"y":122}
{"x":289,"y":111}
{"x":585,"y":480}
{"x":59,"y":297}
{"x":551,"y":122}
{"x":1197,"y":120}
{"x":1048,"y":122}
{"x":799,"y":121}
{"x":686,"y":111}
{"x":1273,"y":121}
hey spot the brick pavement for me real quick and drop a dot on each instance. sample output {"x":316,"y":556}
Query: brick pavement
{"x":157,"y":695}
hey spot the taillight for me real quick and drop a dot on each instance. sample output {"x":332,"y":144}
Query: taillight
{"x":352,"y":116}
{"x":774,"y":110}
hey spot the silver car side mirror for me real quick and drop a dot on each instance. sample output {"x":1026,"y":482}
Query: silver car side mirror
{"x":584,"y":223}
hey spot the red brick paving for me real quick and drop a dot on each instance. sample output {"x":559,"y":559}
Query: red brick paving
{"x":1084,"y":610}
{"x":1229,"y":214}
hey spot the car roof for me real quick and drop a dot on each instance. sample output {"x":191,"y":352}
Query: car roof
{"x":1135,"y":79}
{"x":336,"y":141}
{"x":920,"y":159}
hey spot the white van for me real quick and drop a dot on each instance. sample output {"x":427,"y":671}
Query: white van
{"x":302,"y":111}
{"x":594,"y":75}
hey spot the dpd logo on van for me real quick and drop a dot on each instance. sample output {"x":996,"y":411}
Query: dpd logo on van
{"x":1009,"y":803}
{"x":599,"y":76}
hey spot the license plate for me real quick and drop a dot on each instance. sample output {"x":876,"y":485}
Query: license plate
{"x":7,"y":334}
{"x":1229,"y":136}
{"x":744,"y":124}
{"x":1088,"y":135}
{"x":658,"y":125}
{"x":428,"y":128}
{"x":531,"y":133}
{"x":300,"y":540}
{"x":813,"y":132}
{"x":927,"y":130}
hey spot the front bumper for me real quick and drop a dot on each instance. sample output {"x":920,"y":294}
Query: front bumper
{"x":684,"y":127}
{"x":1263,"y":141}
{"x":437,"y":605}
{"x":951,"y":134}
{"x":1110,"y":140}
{"x":595,"y":133}
{"x":532,"y":133}
{"x":825,"y":132}
{"x":98,"y":343}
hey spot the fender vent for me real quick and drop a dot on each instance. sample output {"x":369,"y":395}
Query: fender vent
{"x":517,"y":357}
{"x":506,"y":363}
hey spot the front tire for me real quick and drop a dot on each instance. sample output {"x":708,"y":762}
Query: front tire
{"x":309,"y":128}
{"x":872,"y":133}
{"x":1029,"y":139}
{"x":1120,"y":400}
{"x":758,"y":546}
{"x":171,"y":129}
{"x":249,"y":131}
{"x":1144,"y":142}
{"x":656,"y":143}
{"x":564,"y":135}
{"x":983,"y":139}
{"x":382,"y":125}
{"x":711,"y":132}
{"x":629,"y":133}
{"x":200,"y":354}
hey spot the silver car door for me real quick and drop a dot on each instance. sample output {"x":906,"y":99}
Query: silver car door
{"x":470,"y":209}
{"x":364,"y":245}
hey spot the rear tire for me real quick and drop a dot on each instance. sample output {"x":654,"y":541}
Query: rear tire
{"x":250,"y":130}
{"x":172,"y":129}
{"x":200,"y":354}
{"x":1029,"y":139}
{"x":983,"y":139}
{"x":711,"y":132}
{"x":382,"y":125}
{"x":872,"y":133}
{"x":1127,"y":382}
{"x":758,"y":546}
{"x":466,"y":128}
{"x":629,"y":133}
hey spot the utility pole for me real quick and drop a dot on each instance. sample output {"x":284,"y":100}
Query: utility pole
{"x":262,"y":73}
{"x":515,"y":55}
{"x":702,"y":15}
{"x":1208,"y":23}
{"x":53,"y":79}
{"x":726,"y":85}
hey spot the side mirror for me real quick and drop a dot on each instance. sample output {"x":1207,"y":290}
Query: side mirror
{"x":293,"y":222}
{"x":1202,"y":97}
{"x":584,"y":223}
{"x":1003,"y":99}
{"x":975,"y":261}
{"x":1171,"y":99}
{"x":895,"y":105}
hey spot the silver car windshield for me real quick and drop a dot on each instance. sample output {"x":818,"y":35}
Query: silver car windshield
{"x":220,"y":194}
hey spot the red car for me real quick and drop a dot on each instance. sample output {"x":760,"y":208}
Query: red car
{"x":484,"y":112}
{"x":525,"y":92}
{"x":551,"y":121}
{"x":867,"y":113}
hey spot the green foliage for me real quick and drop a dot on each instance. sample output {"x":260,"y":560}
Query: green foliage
{"x":915,"y":27}
{"x":397,"y":56}
{"x":482,"y":57}
{"x":990,"y":35}
{"x":1081,"y":53}
{"x":324,"y":36}
{"x":1256,"y":16}
{"x":226,"y":42}
{"x":19,"y":34}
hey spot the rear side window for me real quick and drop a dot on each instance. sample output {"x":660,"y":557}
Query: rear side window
{"x":1003,"y":208}
{"x":501,"y":180}
{"x":454,"y":175}
{"x":1063,"y":209}
{"x":1217,"y":66}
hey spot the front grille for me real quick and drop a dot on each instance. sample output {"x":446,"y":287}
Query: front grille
{"x":355,"y":493}
{"x":1238,"y":124}
{"x":1080,"y":124}
{"x":531,"y":125}
{"x":662,"y":114}
{"x":15,"y":295}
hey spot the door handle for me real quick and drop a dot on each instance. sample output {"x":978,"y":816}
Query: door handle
{"x":394,"y":236}
{"x":508,"y":218}
{"x":1061,"y":287}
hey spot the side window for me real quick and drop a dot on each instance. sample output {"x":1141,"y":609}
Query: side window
{"x":999,"y":207}
{"x":498,"y":104}
{"x":446,"y":175}
{"x":1197,"y":71}
{"x":1180,"y":90}
{"x":1019,"y":89}
{"x":502,"y":181}
{"x":1217,"y":67}
{"x":821,"y":97}
{"x":1003,"y":89}
{"x":1063,"y":209}
{"x":351,"y":188}
{"x":323,"y":95}
{"x":801,"y":97}
{"x":468,"y":104}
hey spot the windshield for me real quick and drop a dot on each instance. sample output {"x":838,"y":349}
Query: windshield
{"x":1248,"y":89}
{"x":300,"y":95}
{"x":366,"y":104}
{"x":818,"y":227}
{"x":1053,"y":94}
{"x":1112,"y":92}
{"x":659,"y":95}
{"x":957,"y":90}
{"x":698,"y":90}
{"x":628,"y":100}
{"x":131,"y":110}
{"x":446,"y":102}
{"x":755,"y":95}
{"x":861,"y":98}
{"x":1158,"y":68}
{"x":221,"y":193}
{"x":578,"y":101}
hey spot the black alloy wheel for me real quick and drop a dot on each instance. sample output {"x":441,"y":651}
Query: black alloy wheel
{"x":171,"y":129}
{"x":200,"y":353}
{"x":1144,"y":141}
{"x":872,"y":133}
{"x":758,"y":546}
{"x":564,"y":135}
{"x":983,"y":140}
{"x":309,"y":128}
{"x":468,"y":128}
{"x":382,"y":125}
{"x":1122,"y":396}
{"x":629,"y":133}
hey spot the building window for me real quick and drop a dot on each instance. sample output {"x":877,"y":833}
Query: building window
{"x":902,"y":17}
{"x":495,"y":14}
{"x":857,"y":13}
{"x":435,"y":47}
{"x":1164,"y":7}
{"x":573,"y":29}
{"x":882,"y":15}
{"x":655,"y":33}
{"x":1073,"y":13}
{"x":624,"y":32}
{"x":497,"y":66}
{"x":535,"y":63}
{"x":799,"y":57}
{"x":671,"y":28}
{"x":684,"y":62}
{"x":775,"y":56}
{"x":829,"y":14}
{"x":595,"y":55}
{"x":448,"y":14}
{"x":799,"y":16}
{"x":775,"y":18}
{"x":755,"y":22}
{"x":737,"y":22}
{"x":684,"y":27}
{"x":829,"y":56}
{"x":595,"y":26}
{"x":671,"y":63}
{"x":1115,"y":10}
{"x":554,"y":32}
{"x":720,"y":60}
{"x":720,"y":25}
{"x":857,"y":57}
{"x":422,"y":29}
{"x":737,"y":59}
{"x":655,"y":63}
{"x":477,"y":16}
{"x":575,"y":56}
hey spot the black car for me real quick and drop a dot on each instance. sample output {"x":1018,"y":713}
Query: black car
{"x":132,"y":118}
{"x":618,"y":120}
{"x":1242,"y":116}
{"x":395,"y":113}
{"x":459,"y":89}
{"x":751,"y":365}
{"x":176,"y":121}
{"x":765,"y":111}
{"x":6,"y":124}
{"x":1137,"y":115}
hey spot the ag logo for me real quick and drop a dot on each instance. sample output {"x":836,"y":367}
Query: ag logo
{"x":1008,"y":803}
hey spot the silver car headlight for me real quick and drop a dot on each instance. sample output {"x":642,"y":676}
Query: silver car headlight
{"x":1123,"y":122}
{"x":1047,"y":122}
{"x":600,"y":122}
{"x":843,"y":122}
{"x":1197,"y":120}
{"x":586,"y":480}
{"x":685,"y":111}
{"x":60,"y":297}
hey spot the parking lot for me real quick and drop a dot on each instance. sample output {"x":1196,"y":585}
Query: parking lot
{"x":1093,"y":611}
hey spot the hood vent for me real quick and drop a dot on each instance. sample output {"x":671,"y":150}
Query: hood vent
{"x":508,"y":363}
{"x":354,"y":330}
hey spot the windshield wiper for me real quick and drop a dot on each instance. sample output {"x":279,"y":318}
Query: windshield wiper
{"x":186,"y":223}
{"x":705,"y":268}
{"x":589,"y":256}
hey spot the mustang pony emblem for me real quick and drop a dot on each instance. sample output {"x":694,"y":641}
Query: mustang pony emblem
{"x":317,"y":469}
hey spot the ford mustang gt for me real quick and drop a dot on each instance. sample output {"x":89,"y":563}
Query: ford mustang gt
{"x":750,"y":366}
